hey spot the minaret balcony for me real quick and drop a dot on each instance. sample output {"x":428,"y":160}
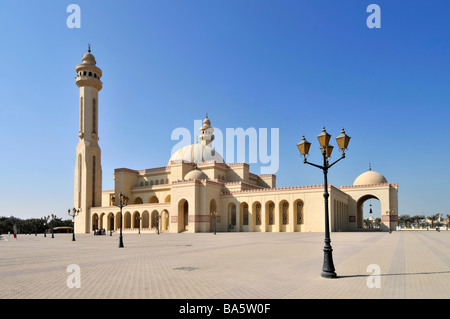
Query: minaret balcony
{"x":86,"y":80}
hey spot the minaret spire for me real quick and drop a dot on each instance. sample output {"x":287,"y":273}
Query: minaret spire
{"x":88,"y":169}
{"x":206,"y":132}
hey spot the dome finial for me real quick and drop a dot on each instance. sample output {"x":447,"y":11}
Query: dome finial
{"x":89,"y":47}
{"x":370,"y":167}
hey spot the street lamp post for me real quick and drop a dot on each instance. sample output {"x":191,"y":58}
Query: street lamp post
{"x":75,"y":213}
{"x":140,"y":219}
{"x":52,"y":218}
{"x":328,"y":270}
{"x":214,"y":214}
{"x":45,"y":219}
{"x":123,"y":201}
{"x":158,"y":217}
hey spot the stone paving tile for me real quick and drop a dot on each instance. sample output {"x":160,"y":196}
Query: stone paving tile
{"x":412,"y":264}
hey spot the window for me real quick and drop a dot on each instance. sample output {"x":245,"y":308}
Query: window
{"x":94,"y":167}
{"x":81,"y":114}
{"x":245,"y":214}
{"x":271,"y":214}
{"x":233,"y":215}
{"x":94,"y":116}
{"x":285,"y":214}
{"x":80,"y":171}
{"x":300,"y":213}
{"x":258,"y":213}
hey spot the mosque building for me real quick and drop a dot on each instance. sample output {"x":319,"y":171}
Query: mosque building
{"x":198,"y":192}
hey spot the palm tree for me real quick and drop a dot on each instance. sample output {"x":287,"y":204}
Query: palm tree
{"x":433,"y":218}
{"x":403,"y":220}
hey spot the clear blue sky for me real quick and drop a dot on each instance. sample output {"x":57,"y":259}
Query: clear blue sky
{"x":293,"y":65}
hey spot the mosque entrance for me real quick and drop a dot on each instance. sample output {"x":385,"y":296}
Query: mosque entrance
{"x":232,"y":217}
{"x":368,"y":210}
{"x":186,"y":220}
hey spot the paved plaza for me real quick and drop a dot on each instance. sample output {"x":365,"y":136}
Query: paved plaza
{"x":369,"y":265}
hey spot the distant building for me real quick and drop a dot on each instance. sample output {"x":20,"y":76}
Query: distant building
{"x":197,"y":182}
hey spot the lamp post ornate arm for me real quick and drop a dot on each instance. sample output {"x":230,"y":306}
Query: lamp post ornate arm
{"x":328,"y":270}
{"x":123,"y":201}
{"x":75,"y":213}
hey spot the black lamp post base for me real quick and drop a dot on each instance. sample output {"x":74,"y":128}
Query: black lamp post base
{"x":331,"y":274}
{"x":328,"y":265}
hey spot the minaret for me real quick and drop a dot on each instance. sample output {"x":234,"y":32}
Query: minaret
{"x":206,"y":132}
{"x":88,"y":170}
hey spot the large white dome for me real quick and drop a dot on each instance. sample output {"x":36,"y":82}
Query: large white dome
{"x":196,"y":153}
{"x":370,"y":177}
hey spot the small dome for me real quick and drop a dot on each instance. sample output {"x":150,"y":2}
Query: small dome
{"x":196,"y":174}
{"x":370,"y":177}
{"x":89,"y":59}
{"x":196,"y":153}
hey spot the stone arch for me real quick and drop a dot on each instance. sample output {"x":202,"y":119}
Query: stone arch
{"x":127,"y":220}
{"x":95,"y":221}
{"x":138,"y":200}
{"x":387,"y":194}
{"x":110,"y":223}
{"x":283,"y":215}
{"x":102,"y":218}
{"x":153,"y":199}
{"x":231,"y":220}
{"x":212,"y":219}
{"x":136,"y":220}
{"x":165,"y":220}
{"x":154,"y":219}
{"x":359,"y":210}
{"x":167,"y":199}
{"x":117,"y":224}
{"x":269,"y":211}
{"x":183,"y":215}
{"x":299,"y":215}
{"x":257,"y":216}
{"x":245,"y":217}
{"x":145,"y":219}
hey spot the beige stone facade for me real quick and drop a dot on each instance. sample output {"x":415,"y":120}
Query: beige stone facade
{"x":183,"y":195}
